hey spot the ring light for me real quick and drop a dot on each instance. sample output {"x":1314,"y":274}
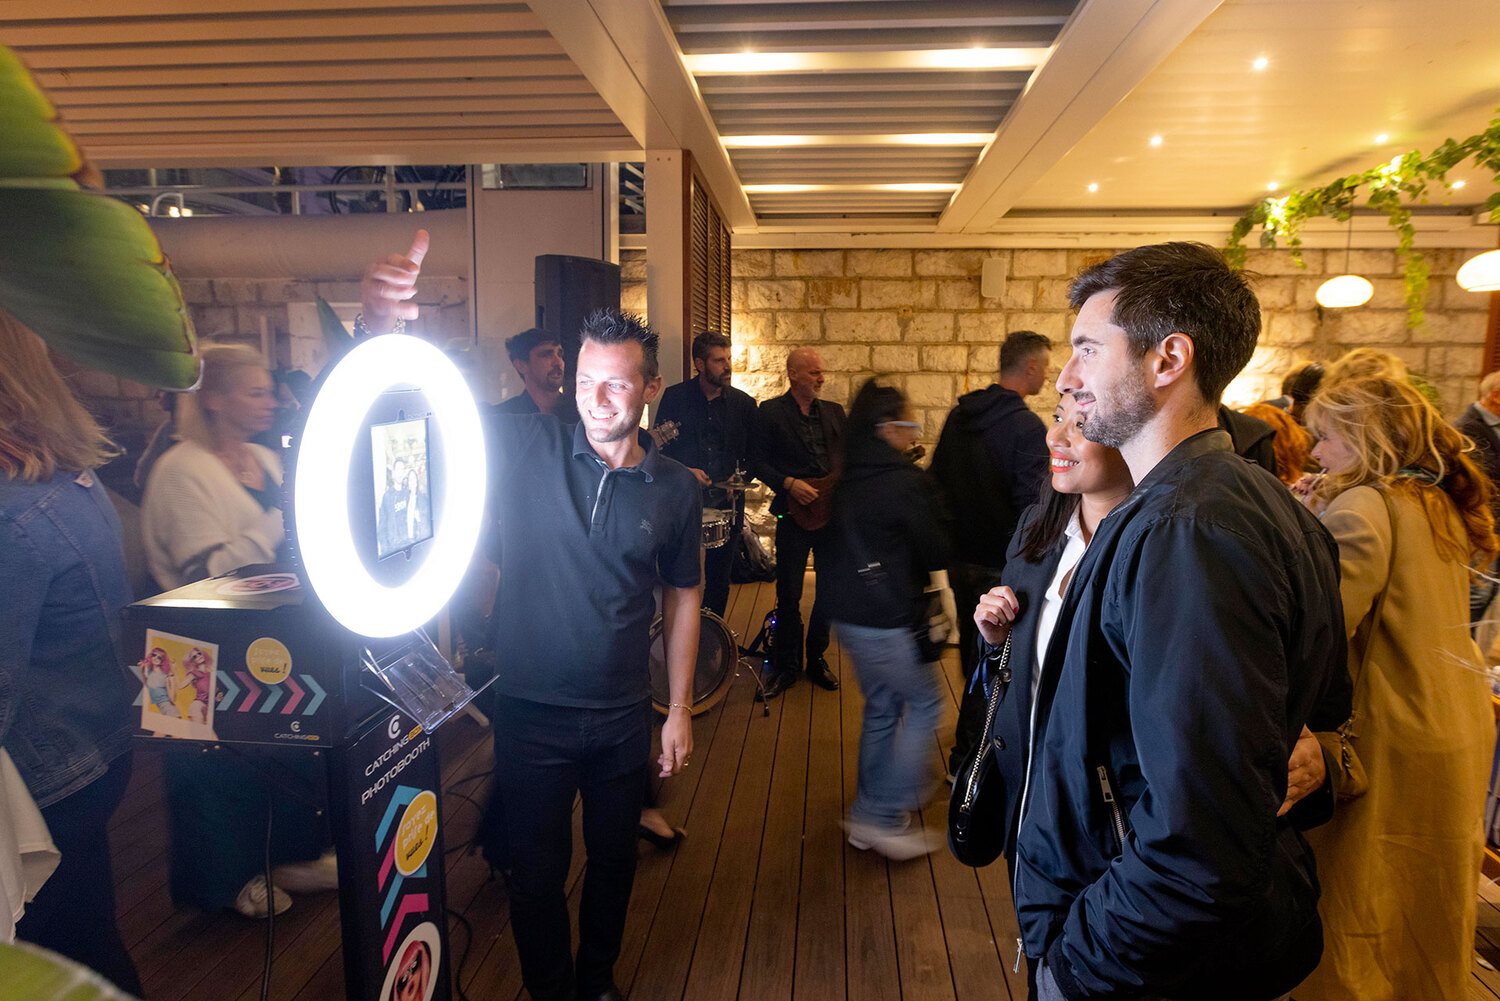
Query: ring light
{"x":324,"y":535}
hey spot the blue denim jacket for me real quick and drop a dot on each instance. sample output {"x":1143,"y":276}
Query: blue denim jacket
{"x":65,"y":694}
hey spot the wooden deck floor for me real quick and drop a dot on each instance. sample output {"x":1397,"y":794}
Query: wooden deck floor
{"x":763,"y":901}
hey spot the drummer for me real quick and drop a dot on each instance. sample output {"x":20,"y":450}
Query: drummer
{"x":714,"y":427}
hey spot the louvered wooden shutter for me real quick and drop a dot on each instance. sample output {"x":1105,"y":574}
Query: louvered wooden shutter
{"x":707,"y":264}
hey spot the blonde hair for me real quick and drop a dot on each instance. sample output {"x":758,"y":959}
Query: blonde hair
{"x":1401,"y":444}
{"x":1366,"y":363}
{"x":1292,"y":444}
{"x":43,"y":428}
{"x":221,"y":362}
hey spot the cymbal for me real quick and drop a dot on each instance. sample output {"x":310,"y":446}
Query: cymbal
{"x":732,"y":485}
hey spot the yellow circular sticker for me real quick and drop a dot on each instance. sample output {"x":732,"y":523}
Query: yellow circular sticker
{"x":269,"y":660}
{"x":418,"y":831}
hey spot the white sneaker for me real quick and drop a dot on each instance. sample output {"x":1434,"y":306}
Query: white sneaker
{"x":898,"y":845}
{"x":252,"y":899}
{"x":308,"y":877}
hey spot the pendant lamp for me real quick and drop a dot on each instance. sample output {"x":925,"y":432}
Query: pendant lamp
{"x":1481,"y":274}
{"x":1346,"y":290}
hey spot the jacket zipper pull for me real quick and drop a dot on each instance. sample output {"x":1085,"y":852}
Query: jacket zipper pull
{"x":1114,"y":807}
{"x":1109,"y":793}
{"x":1017,"y":967}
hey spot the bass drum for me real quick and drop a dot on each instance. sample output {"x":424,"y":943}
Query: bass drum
{"x":718,"y":659}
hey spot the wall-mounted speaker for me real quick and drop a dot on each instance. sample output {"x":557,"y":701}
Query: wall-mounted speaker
{"x":992,"y":278}
{"x":568,"y":289}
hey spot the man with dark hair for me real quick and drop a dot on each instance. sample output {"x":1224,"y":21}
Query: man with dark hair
{"x":714,"y":424}
{"x":991,"y":460}
{"x":1297,"y":387}
{"x":595,"y":517}
{"x":798,"y":444}
{"x":538,"y":360}
{"x":1157,"y":854}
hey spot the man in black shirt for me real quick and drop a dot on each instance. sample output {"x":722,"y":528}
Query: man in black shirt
{"x":538,"y":360}
{"x":714,"y":423}
{"x":798,"y":446}
{"x":596,"y":516}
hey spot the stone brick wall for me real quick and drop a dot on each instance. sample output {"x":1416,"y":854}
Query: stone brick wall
{"x":917,"y":316}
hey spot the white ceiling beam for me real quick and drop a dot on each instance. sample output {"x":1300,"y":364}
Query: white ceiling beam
{"x":627,"y":51}
{"x":1106,"y":49}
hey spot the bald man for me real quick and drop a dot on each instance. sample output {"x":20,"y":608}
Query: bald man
{"x":798,"y":442}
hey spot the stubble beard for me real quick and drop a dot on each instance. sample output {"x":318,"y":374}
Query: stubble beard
{"x":621,"y":427}
{"x":1117,"y":418}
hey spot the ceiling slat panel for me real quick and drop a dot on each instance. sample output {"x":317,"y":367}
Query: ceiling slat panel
{"x":116,"y":31}
{"x":257,"y":51}
{"x":874,"y":39}
{"x":543,"y":91}
{"x":418,"y":67}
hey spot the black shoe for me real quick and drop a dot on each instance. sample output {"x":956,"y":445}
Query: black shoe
{"x":608,"y":994}
{"x":662,"y":841}
{"x":779,"y":682}
{"x":819,"y":673}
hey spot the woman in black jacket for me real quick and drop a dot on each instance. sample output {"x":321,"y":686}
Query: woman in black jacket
{"x":887,"y":537}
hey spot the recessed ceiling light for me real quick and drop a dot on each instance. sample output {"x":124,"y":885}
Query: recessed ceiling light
{"x":1382,"y":139}
{"x":1156,"y":140}
{"x":717,"y":63}
{"x":1093,"y":188}
{"x":1261,"y":63}
{"x":1457,"y":184}
{"x":1272,"y":186}
{"x":862,"y":139}
{"x":921,"y":187}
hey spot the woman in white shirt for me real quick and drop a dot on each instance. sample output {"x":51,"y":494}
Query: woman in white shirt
{"x":1087,"y":481}
{"x":213,"y":504}
{"x":213,"y":501}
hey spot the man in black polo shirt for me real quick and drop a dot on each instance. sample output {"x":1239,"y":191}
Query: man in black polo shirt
{"x":538,"y":360}
{"x":798,"y":443}
{"x":714,"y":422}
{"x":596,"y":516}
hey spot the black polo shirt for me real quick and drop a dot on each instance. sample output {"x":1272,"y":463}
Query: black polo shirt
{"x":583,"y":546}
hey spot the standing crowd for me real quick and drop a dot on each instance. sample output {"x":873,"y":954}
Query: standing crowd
{"x":1220,"y":667}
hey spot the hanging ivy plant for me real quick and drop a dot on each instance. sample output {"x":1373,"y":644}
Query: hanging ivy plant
{"x":1392,"y":187}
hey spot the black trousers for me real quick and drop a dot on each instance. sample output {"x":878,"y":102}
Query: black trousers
{"x":793,"y":544}
{"x":544,"y":756}
{"x":74,"y":912}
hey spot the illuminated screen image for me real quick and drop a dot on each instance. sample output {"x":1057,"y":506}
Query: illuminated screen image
{"x":403,"y":486}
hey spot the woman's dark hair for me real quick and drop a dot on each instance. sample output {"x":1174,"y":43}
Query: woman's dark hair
{"x":1050,"y":525}
{"x":874,"y":404}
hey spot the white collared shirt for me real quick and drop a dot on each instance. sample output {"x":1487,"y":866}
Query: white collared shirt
{"x":1052,"y":602}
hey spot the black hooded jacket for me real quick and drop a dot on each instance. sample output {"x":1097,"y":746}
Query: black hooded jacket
{"x":991,"y":460}
{"x":886,"y":512}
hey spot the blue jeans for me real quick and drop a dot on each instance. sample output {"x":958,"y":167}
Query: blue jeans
{"x":903,"y":706}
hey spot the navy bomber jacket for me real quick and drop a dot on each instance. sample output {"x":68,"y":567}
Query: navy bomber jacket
{"x":1203,"y":629}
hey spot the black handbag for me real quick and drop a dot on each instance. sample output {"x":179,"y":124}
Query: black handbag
{"x":976,"y":808}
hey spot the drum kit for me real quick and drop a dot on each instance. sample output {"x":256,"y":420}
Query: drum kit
{"x":719,"y":653}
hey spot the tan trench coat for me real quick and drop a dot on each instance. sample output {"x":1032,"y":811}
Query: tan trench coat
{"x":1400,"y":865}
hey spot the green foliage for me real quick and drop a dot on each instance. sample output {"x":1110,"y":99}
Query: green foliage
{"x":82,"y":270}
{"x":1393,"y":187}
